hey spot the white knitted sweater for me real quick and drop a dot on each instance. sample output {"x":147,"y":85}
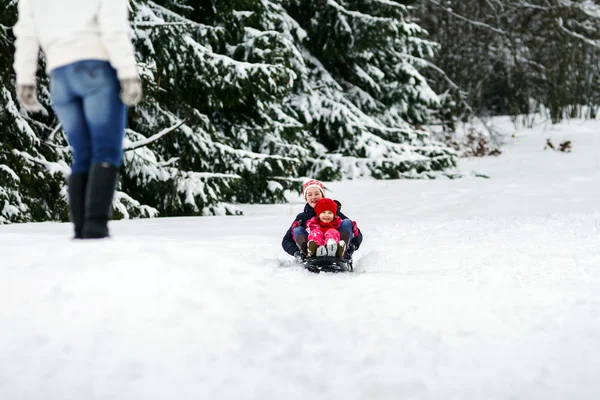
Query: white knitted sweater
{"x":70,"y":31}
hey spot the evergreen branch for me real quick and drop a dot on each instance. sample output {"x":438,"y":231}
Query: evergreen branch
{"x":254,"y":34}
{"x":9,"y":171}
{"x":250,"y":154}
{"x":229,"y":61}
{"x":168,"y":162}
{"x":176,"y":16}
{"x":153,"y":138}
{"x":160,"y":164}
{"x":202,"y":175}
{"x":51,"y":135}
{"x":146,"y":24}
{"x":392,"y":3}
{"x":52,"y":167}
{"x":357,"y":14}
{"x":268,"y":128}
{"x":55,"y":146}
{"x":45,"y":127}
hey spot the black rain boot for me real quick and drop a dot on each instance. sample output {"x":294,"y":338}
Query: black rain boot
{"x":102,"y":182}
{"x":302,"y":244}
{"x":76,"y":188}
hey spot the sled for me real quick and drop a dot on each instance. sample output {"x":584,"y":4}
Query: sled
{"x":328,"y":264}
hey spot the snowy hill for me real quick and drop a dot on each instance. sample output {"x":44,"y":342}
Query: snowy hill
{"x":464,"y":289}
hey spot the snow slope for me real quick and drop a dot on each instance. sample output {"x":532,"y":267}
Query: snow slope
{"x":464,"y":289}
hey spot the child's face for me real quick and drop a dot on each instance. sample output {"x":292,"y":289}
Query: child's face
{"x":326,"y":216}
{"x":312,"y":196}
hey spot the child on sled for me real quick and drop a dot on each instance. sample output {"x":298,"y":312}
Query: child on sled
{"x":295,"y":240}
{"x":323,"y":231}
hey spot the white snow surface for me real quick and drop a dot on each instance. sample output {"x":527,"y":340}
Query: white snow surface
{"x":463,"y":289}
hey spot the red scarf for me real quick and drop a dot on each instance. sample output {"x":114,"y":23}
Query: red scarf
{"x":324,"y":226}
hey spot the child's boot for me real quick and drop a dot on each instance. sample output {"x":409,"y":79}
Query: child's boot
{"x":312,"y":248}
{"x":341,"y":246}
{"x":331,"y":247}
{"x":321,"y":251}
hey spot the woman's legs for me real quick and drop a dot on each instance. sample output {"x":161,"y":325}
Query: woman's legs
{"x":93,"y":87}
{"x":106,"y":116}
{"x":105,"y":113}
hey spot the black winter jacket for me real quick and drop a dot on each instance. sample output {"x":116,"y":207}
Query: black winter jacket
{"x":288,"y":243}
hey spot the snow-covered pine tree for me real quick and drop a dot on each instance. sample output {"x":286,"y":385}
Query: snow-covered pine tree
{"x":187,"y":149}
{"x":200,"y":78}
{"x":241,"y":101}
{"x":31,"y":169}
{"x":34,"y":154}
{"x":361,"y":92}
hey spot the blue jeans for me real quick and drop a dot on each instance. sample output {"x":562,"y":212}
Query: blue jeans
{"x":85,"y":97}
{"x":345,"y":226}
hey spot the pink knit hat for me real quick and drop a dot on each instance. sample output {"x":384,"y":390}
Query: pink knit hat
{"x":313,"y":183}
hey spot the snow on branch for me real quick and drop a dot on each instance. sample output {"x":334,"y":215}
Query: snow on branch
{"x":122,"y":199}
{"x":9,"y":171}
{"x":158,"y":24}
{"x":153,"y":138}
{"x":267,"y":128}
{"x":250,"y":155}
{"x":52,"y":167}
{"x":54,"y":131}
{"x":240,"y":66}
{"x":183,"y":20}
{"x":254,"y":34}
{"x":357,"y":14}
{"x":391,"y":3}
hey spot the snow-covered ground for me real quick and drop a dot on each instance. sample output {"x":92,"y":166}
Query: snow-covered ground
{"x":464,"y":289}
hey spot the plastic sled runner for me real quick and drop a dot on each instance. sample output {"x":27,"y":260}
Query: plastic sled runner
{"x":328,"y":264}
